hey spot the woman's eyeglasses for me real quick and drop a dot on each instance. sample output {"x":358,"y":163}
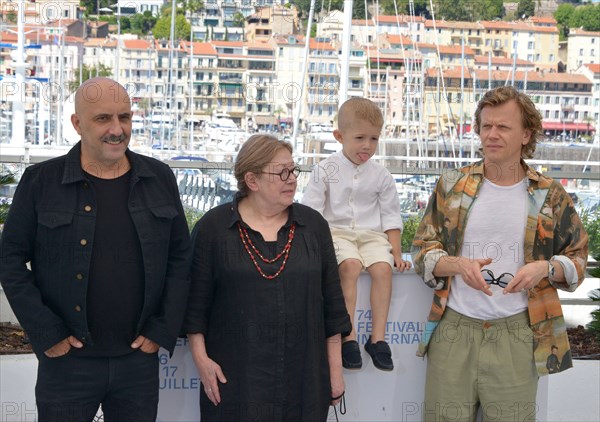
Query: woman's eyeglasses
{"x":285,"y":173}
{"x":502,"y":280}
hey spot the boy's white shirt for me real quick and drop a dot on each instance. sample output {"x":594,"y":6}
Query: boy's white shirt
{"x":360,"y":197}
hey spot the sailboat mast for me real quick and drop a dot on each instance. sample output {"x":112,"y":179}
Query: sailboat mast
{"x":300,"y":101}
{"x":18,"y":57}
{"x":345,"y":57}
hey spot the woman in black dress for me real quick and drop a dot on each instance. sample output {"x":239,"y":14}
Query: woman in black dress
{"x":266,"y":312}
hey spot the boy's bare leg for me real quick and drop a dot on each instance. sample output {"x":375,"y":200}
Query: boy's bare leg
{"x":381,"y":295}
{"x":349,"y":271}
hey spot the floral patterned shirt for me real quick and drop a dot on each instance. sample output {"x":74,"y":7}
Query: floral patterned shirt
{"x":553,"y":230}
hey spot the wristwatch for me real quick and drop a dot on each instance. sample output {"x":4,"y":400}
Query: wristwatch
{"x":550,"y":270}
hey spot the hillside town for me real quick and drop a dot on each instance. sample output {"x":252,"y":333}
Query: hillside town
{"x":261,"y":71}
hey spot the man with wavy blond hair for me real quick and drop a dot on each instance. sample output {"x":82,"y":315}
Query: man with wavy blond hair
{"x":497,"y":241}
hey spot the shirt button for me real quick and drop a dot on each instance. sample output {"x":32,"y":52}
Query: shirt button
{"x":87,"y":208}
{"x":79,"y":276}
{"x":83,"y":242}
{"x":78,"y":308}
{"x":85,"y":185}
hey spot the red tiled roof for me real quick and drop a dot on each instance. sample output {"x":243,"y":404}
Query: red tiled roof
{"x":136,"y":44}
{"x":518,"y":26}
{"x":227,"y":43}
{"x":455,"y":49}
{"x":575,"y":31}
{"x":398,"y":39}
{"x":593,"y":67}
{"x":200,"y":48}
{"x":501,"y":60}
{"x":543,"y":20}
{"x":393,"y":19}
{"x":314,"y":45}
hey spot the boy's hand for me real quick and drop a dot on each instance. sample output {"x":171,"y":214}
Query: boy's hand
{"x":400,"y":264}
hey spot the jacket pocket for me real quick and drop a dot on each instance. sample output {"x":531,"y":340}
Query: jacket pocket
{"x":54,"y":219}
{"x":165,"y":211}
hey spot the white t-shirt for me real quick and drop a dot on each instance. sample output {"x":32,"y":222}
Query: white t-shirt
{"x":495,"y":229}
{"x":354,"y":197}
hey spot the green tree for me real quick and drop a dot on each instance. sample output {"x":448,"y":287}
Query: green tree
{"x":358,"y":11}
{"x":88,"y":72}
{"x":162,"y":29}
{"x":586,"y":17}
{"x":562,"y":15}
{"x":239,"y":20}
{"x":420,"y":7}
{"x":453,"y":10}
{"x":90,"y":6}
{"x":125,"y":24}
{"x":525,"y":9}
{"x":487,"y":10}
{"x":194,"y":6}
{"x":142,"y":23}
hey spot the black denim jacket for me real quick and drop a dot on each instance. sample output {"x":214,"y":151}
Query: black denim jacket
{"x":51,"y":225}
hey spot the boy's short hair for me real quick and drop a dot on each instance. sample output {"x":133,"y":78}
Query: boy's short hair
{"x":359,"y":108}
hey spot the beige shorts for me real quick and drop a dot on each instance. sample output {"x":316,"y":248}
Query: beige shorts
{"x":367,"y":246}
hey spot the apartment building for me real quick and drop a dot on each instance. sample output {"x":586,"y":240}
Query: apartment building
{"x":534,"y":43}
{"x":365,"y":31}
{"x":501,"y":63}
{"x":566,"y":101}
{"x":582,"y":47}
{"x":289,"y":65}
{"x":40,"y":12}
{"x":97,"y":51}
{"x":203,"y":58}
{"x":260,"y":88}
{"x":322,"y":82}
{"x":592,"y":72}
{"x":269,"y":21}
{"x":216,"y":21}
{"x":128,"y":7}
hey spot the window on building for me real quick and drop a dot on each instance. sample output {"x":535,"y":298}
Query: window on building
{"x":531,"y":45}
{"x":547,"y":114}
{"x":557,"y":100}
{"x":556,"y":114}
{"x":581,"y":51}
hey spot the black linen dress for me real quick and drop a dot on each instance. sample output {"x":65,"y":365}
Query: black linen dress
{"x":268,"y":336}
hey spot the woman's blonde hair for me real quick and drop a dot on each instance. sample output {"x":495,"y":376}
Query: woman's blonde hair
{"x":530,"y":116}
{"x":258,"y":151}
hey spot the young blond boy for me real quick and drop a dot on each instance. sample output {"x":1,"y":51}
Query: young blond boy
{"x":358,"y":198}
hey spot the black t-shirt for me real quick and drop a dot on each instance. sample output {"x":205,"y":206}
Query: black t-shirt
{"x":116,"y":281}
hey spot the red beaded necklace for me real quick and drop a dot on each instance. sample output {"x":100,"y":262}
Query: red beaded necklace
{"x":250,"y":249}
